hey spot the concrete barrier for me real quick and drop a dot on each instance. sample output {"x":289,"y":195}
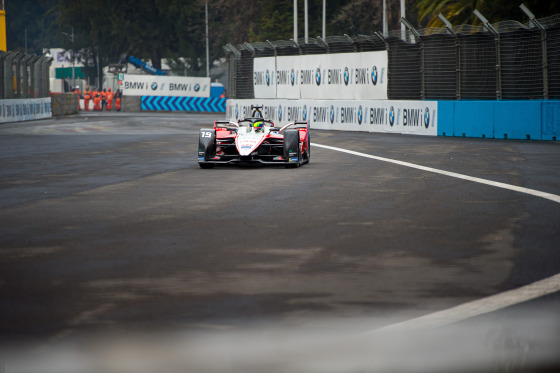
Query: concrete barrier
{"x":524,"y":119}
{"x":64,"y":104}
{"x":131,"y":104}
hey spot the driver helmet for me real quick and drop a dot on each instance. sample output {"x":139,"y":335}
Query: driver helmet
{"x":258,"y":126}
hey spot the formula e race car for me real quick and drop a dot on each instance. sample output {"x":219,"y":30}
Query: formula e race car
{"x":254,"y":140}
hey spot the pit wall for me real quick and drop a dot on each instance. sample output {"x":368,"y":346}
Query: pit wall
{"x":15,"y":110}
{"x":532,"y":120}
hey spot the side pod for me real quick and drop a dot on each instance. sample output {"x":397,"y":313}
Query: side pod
{"x":292,"y":152}
{"x":206,"y":147}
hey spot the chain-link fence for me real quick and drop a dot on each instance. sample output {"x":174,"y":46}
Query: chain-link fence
{"x":23,"y":76}
{"x":506,"y":60}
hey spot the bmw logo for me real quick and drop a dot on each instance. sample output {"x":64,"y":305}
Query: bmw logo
{"x":293,"y":77}
{"x":427,"y":117}
{"x":360,"y":116}
{"x":280,"y":113}
{"x":346,"y":76}
{"x":154,"y":86}
{"x":237,"y":111}
{"x":304,"y":113}
{"x":196,"y":87}
{"x":267,"y":77}
{"x":391,"y":116}
{"x":318,"y":76}
{"x":332,"y":114}
{"x":374,"y":75}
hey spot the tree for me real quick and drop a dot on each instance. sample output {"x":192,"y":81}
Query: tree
{"x":34,"y":16}
{"x":461,"y":11}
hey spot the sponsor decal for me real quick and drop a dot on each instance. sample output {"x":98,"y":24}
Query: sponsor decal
{"x":318,"y":76}
{"x":196,"y":87}
{"x":154,"y":86}
{"x":279,"y":112}
{"x":360,"y":116}
{"x":304,"y":113}
{"x":332,"y":113}
{"x":293,"y":159}
{"x":292,"y":77}
{"x":374,"y":75}
{"x":427,"y":117}
{"x":346,"y":76}
{"x":391,"y":116}
{"x":267,"y":77}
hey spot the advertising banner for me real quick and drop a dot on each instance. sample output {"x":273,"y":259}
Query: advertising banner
{"x":338,"y":76}
{"x":25,"y":109}
{"x":264,"y":77}
{"x":402,"y":117}
{"x":151,"y":85}
{"x":287,"y":77}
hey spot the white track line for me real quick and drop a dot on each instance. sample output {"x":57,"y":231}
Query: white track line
{"x":475,"y":308}
{"x":485,"y":305}
{"x":544,"y":195}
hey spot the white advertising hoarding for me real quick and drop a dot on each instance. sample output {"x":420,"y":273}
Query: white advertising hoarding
{"x":287,"y":77}
{"x":151,"y":85}
{"x":403,"y":117}
{"x":14,"y":110}
{"x":264,"y":77}
{"x":338,"y":76}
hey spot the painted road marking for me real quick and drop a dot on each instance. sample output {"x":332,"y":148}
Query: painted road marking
{"x":485,"y":305}
{"x":475,"y":308}
{"x":529,"y":191}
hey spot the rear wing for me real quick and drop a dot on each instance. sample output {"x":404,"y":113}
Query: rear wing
{"x":228,"y":125}
{"x":296,"y":125}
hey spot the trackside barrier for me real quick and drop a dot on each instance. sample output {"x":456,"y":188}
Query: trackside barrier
{"x":528,"y":120}
{"x":186,"y":104}
{"x":15,"y":110}
{"x":531,"y":120}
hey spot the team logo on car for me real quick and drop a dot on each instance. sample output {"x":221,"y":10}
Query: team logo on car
{"x":427,"y":117}
{"x":360,"y":115}
{"x":293,"y":77}
{"x":374,"y":75}
{"x":154,"y":86}
{"x":318,"y":77}
{"x":346,"y":76}
{"x":304,"y":112}
{"x":391,"y":116}
{"x":332,"y":114}
{"x":279,"y":112}
{"x":196,"y":87}
{"x":267,"y":77}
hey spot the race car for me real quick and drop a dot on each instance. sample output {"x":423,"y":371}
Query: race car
{"x":254,"y":140}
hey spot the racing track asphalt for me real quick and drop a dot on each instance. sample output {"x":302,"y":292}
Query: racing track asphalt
{"x":108,"y":224}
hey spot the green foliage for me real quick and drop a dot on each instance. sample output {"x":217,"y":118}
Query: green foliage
{"x":461,"y":11}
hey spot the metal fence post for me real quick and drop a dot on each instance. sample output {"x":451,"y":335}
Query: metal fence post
{"x":3,"y":56}
{"x":417,"y":36}
{"x":449,"y":28}
{"x":17,"y":74}
{"x":492,"y":30}
{"x":534,"y":21}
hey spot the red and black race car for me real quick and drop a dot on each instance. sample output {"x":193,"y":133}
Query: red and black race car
{"x":254,"y":140}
